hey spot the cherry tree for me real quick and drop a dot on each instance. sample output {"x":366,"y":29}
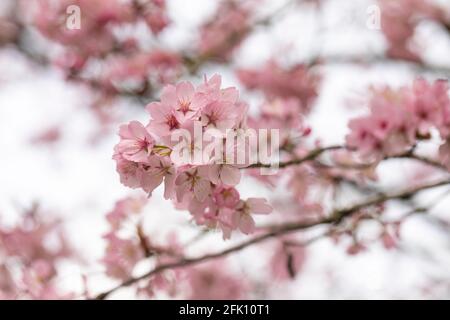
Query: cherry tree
{"x":205,"y":126}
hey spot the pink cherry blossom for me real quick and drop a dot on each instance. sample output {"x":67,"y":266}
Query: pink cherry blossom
{"x":193,"y":182}
{"x":155,"y":171}
{"x":121,"y":256}
{"x":214,"y":281}
{"x":123,"y":209}
{"x":146,"y":156}
{"x":221,"y":35}
{"x":183,"y":99}
{"x":226,"y":197}
{"x":154,"y":13}
{"x":275,"y":81}
{"x":136,"y":70}
{"x":399,"y":20}
{"x":96,"y":35}
{"x":242,"y":217}
{"x":164,"y":119}
{"x":398,"y":116}
{"x":32,"y":252}
{"x":136,"y":143}
{"x":223,"y":173}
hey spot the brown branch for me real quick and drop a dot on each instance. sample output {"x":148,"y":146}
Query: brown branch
{"x":310,"y":156}
{"x":424,"y":160}
{"x":335,"y":218}
{"x":378,"y":60}
{"x":360,"y":166}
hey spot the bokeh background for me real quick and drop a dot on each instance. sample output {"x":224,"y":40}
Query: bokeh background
{"x":55,"y":152}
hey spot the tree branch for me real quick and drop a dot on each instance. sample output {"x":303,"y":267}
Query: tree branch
{"x":335,"y":218}
{"x":310,"y":156}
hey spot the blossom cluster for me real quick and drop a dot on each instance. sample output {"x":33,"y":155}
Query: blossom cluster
{"x":400,"y":118}
{"x":95,"y":34}
{"x":223,"y":33}
{"x":137,"y":71}
{"x":122,"y":252}
{"x":148,"y":155}
{"x":297,"y":82}
{"x":28,"y":265}
{"x":399,"y":21}
{"x":128,"y":245}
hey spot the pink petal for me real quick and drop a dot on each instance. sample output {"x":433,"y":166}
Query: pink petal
{"x":156,"y":110}
{"x":230,"y":94}
{"x":169,"y":96}
{"x":124,"y":132}
{"x":259,"y":205}
{"x":214,"y":173}
{"x":230,"y":175}
{"x":169,"y":185}
{"x":185,"y":91}
{"x":137,"y":129}
{"x":151,"y":179}
{"x":202,"y":189}
{"x":247,"y":224}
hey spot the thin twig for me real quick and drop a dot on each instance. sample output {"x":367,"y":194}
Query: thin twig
{"x":310,"y":156}
{"x":334,"y":218}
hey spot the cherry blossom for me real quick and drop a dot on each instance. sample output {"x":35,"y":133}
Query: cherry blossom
{"x":32,"y":251}
{"x":399,"y":20}
{"x":398,"y":117}
{"x":220,"y":36}
{"x":145,"y":155}
{"x":276,"y":81}
{"x":190,"y":142}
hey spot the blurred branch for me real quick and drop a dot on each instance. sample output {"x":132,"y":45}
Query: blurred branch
{"x":358,"y":166}
{"x":377,"y":60}
{"x":310,"y":156}
{"x":336,"y":217}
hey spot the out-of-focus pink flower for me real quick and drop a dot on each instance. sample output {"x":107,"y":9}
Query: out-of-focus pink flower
{"x":242,"y":217}
{"x":221,"y":35}
{"x":226,"y":197}
{"x":399,"y":117}
{"x":399,"y":20}
{"x":139,"y":69}
{"x":31,"y":252}
{"x":121,"y":256}
{"x":356,"y":248}
{"x":48,"y":136}
{"x":8,"y":287}
{"x":389,"y":242}
{"x":274,"y":81}
{"x":123,"y":209}
{"x":95,"y":34}
{"x":212,"y":281}
{"x":154,"y":14}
